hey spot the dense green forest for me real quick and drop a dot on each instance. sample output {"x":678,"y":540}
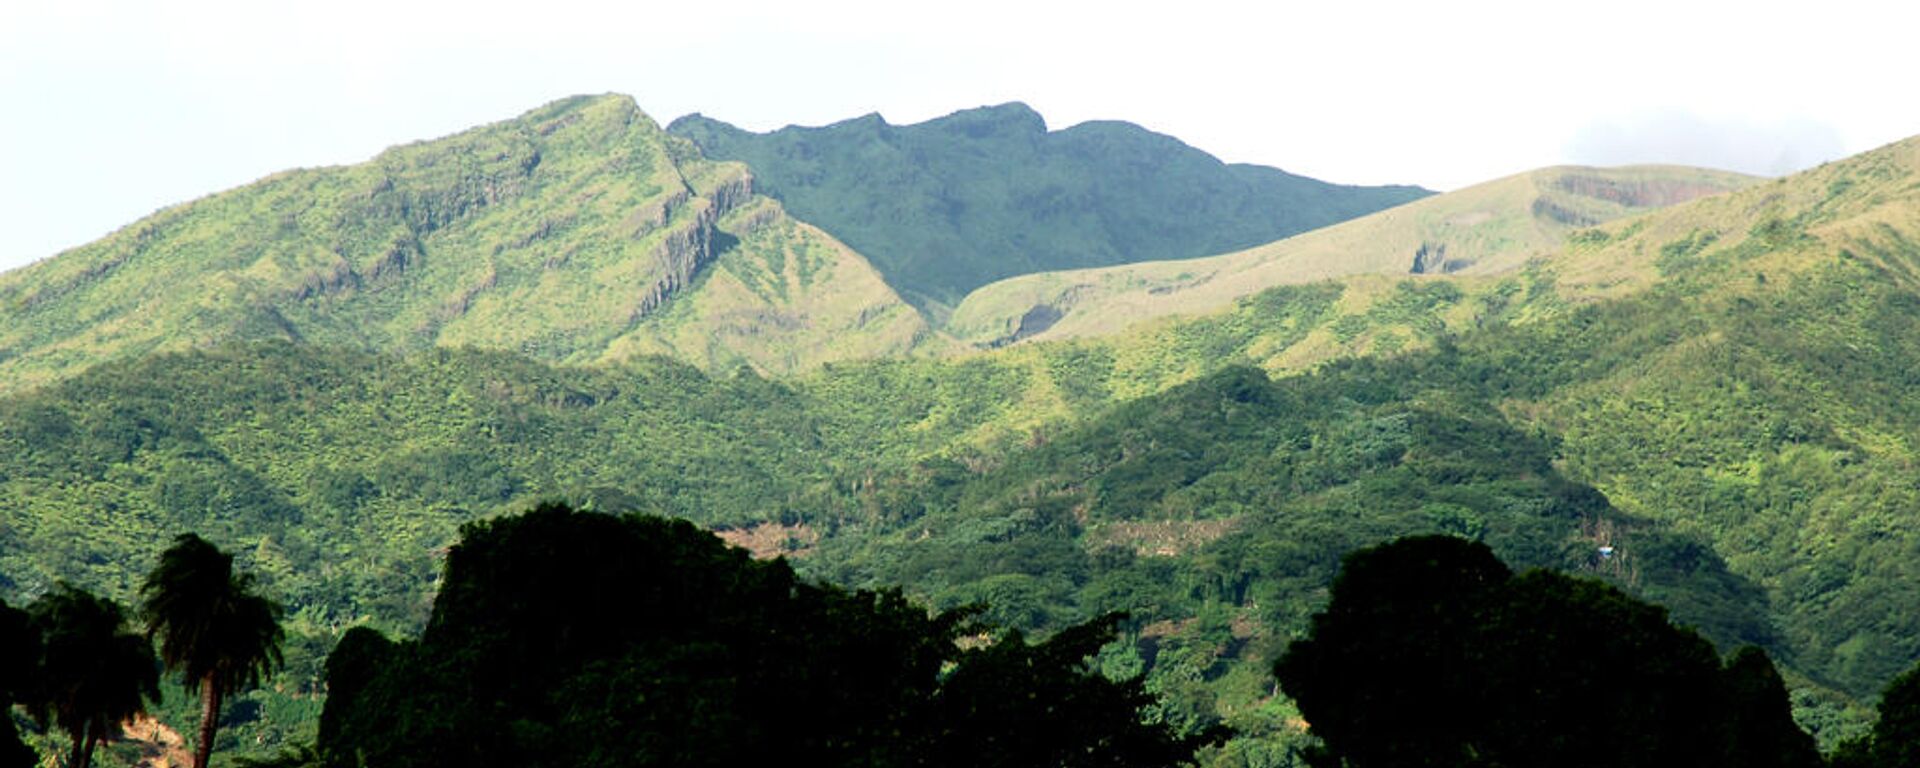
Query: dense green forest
{"x":1214,"y":511}
{"x":949,"y":205}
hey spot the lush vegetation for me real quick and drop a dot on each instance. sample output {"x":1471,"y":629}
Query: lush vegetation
{"x":1895,"y":740}
{"x":949,"y":205}
{"x":91,"y":671}
{"x":214,"y":629}
{"x":561,"y":638}
{"x":1214,"y":512}
{"x":75,"y":661}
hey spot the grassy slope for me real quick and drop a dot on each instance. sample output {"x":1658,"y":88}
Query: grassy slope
{"x":561,"y":234}
{"x":789,"y":297}
{"x":948,"y":205}
{"x":1486,"y":229}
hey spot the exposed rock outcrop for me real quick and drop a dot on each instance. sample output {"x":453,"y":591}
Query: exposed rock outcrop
{"x":684,"y":250}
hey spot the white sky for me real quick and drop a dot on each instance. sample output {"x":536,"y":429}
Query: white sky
{"x":110,"y":110}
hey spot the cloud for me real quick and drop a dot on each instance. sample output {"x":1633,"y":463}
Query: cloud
{"x":1772,"y":147}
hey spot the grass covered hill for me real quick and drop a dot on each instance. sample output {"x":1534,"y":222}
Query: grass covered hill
{"x":951,"y":204}
{"x":579,"y":232}
{"x":1489,"y":228}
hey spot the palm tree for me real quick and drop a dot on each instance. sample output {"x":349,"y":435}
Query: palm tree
{"x":214,"y":630}
{"x":94,"y":674}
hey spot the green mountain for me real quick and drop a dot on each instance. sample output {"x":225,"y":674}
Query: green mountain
{"x":1716,"y":392}
{"x":948,"y":205}
{"x":1484,"y":229}
{"x":1713,"y":390}
{"x":577,"y":232}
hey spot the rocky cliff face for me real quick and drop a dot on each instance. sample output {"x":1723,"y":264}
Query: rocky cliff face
{"x":683,"y":252}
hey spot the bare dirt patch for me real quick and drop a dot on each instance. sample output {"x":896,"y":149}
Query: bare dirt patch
{"x":1161,"y":538}
{"x":160,"y":746}
{"x":770,"y":540}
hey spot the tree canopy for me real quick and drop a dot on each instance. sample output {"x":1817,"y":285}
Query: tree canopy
{"x":214,"y":630}
{"x":1432,"y":653}
{"x":19,"y":649}
{"x":580,"y":639}
{"x":94,"y":672}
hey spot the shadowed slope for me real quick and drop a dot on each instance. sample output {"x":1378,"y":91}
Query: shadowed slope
{"x":945,"y":206}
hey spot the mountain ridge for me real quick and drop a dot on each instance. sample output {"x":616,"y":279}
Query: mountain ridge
{"x":1488,"y":228}
{"x":944,"y":205}
{"x":558,"y":233}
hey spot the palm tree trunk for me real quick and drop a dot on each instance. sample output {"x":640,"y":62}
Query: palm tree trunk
{"x":82,"y":747}
{"x":209,"y":720}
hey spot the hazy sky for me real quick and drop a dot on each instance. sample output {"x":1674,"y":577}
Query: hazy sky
{"x":112,"y":110}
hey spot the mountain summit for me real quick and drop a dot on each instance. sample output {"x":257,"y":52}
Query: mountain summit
{"x":951,"y":204}
{"x":577,"y":232}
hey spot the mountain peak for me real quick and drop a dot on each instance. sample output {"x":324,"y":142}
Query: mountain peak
{"x":945,"y":206}
{"x":1011,"y":118}
{"x":567,"y":233}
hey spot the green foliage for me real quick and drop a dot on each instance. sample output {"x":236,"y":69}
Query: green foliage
{"x":214,"y":629}
{"x":1895,"y":739}
{"x":1228,"y":496}
{"x":577,"y":639}
{"x":1677,"y":256}
{"x":952,"y":204}
{"x":93,"y":672}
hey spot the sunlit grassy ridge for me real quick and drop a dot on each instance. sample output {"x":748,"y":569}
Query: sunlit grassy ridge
{"x":566,"y":234}
{"x":1485,"y":229}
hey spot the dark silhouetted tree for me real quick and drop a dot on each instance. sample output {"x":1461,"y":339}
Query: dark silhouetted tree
{"x":1020,"y":704}
{"x":561,"y":638}
{"x":1895,"y":739}
{"x":94,"y":672}
{"x":214,"y":629}
{"x":1432,"y":653}
{"x":1382,"y":674}
{"x":1760,"y":730}
{"x":19,"y":649}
